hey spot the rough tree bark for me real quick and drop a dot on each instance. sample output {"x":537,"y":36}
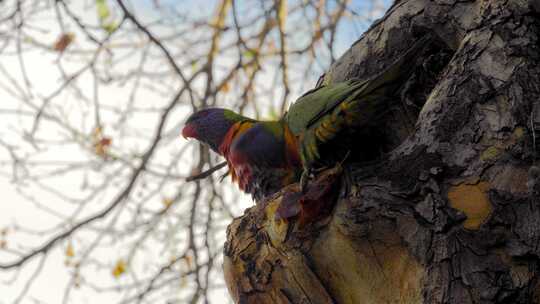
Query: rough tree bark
{"x":451,"y":212}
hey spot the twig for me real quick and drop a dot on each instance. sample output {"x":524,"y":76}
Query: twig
{"x":206,"y":173}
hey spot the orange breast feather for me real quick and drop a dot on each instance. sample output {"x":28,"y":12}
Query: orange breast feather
{"x":236,"y":130}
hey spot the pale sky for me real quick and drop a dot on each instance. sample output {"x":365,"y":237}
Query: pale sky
{"x":19,"y":201}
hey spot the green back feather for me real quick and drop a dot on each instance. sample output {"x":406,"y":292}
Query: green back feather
{"x":320,"y":115}
{"x":274,"y":127}
{"x":315,"y":104}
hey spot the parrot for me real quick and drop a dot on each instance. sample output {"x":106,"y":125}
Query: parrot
{"x":317,"y":130}
{"x":262,"y":156}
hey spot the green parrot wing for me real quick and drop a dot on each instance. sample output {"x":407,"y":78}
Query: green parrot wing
{"x":316,"y":103}
{"x":320,"y":114}
{"x":319,"y":102}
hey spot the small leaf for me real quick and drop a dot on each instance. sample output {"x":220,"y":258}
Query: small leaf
{"x":63,"y":42}
{"x":119,"y":268}
{"x":194,"y":65}
{"x":110,"y":27}
{"x":104,"y":15}
{"x":250,"y":53}
{"x":102,"y":9}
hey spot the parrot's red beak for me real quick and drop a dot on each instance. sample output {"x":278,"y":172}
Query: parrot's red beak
{"x":189,"y":131}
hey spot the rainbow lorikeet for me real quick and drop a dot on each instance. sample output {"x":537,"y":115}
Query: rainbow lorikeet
{"x":262,"y":155}
{"x":265,"y":156}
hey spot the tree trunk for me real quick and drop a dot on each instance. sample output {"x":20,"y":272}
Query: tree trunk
{"x":451,"y":213}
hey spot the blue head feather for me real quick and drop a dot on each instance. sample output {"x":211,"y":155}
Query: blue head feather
{"x":211,"y":125}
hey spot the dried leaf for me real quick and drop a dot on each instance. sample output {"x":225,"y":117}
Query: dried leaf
{"x":317,"y":35}
{"x":167,"y":202}
{"x":102,"y":146}
{"x":63,"y":42}
{"x":3,"y":244}
{"x":289,"y":205}
{"x":321,"y":196}
{"x":225,"y":88}
{"x":316,"y":203}
{"x":106,"y":141}
{"x":69,"y":251}
{"x":189,"y":261}
{"x":119,"y":268}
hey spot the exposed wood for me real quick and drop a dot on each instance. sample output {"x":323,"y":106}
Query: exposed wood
{"x":451,"y":212}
